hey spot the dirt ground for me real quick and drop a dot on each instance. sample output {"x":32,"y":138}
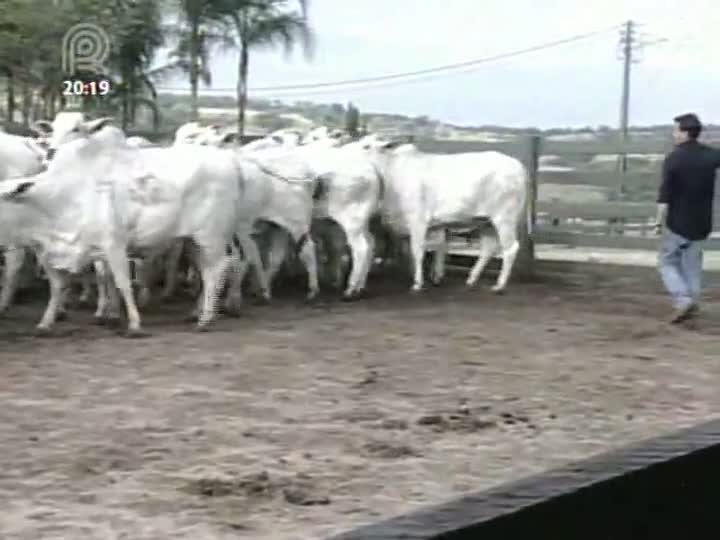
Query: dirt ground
{"x":300,"y":421}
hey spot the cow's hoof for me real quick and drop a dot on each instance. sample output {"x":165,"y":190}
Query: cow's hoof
{"x":113,"y":322}
{"x":202,"y":327}
{"x":62,"y":316}
{"x":192,"y":317}
{"x":137,"y":333}
{"x":99,"y":320}
{"x":261,"y":300}
{"x":417,"y":289}
{"x":234,"y":311}
{"x":497,"y":290}
{"x":353,"y":296}
{"x":43,"y":331}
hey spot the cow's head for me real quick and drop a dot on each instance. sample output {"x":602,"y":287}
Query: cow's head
{"x":42,"y":129}
{"x":324,"y":133}
{"x":231,"y":137}
{"x":71,"y":126}
{"x":188,"y":133}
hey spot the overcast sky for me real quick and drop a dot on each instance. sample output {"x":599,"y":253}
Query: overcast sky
{"x":574,"y":84}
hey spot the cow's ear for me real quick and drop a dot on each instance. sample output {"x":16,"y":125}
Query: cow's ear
{"x":16,"y":191}
{"x":93,"y":126}
{"x":43,"y":127}
{"x":229,"y":138}
{"x":277,"y":138}
{"x":391,"y":145}
{"x":22,"y":188}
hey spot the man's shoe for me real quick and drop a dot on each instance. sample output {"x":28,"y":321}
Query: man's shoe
{"x":682,"y":314}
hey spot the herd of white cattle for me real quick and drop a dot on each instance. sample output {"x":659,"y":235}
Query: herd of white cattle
{"x":85,"y":199}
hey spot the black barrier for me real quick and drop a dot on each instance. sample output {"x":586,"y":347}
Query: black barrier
{"x":663,"y":488}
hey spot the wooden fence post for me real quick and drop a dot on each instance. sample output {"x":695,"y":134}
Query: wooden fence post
{"x":526,"y":255}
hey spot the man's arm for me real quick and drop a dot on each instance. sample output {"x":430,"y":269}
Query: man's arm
{"x":664,"y":193}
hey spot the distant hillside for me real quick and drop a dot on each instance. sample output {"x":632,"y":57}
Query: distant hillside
{"x":267,"y":115}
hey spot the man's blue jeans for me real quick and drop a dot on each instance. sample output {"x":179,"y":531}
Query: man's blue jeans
{"x":680,"y":264}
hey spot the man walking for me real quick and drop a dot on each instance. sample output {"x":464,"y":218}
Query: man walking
{"x":685,"y":212}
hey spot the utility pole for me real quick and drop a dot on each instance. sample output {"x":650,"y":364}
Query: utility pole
{"x":627,"y":44}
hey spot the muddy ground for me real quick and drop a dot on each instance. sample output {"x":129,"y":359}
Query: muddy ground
{"x":297,"y":421}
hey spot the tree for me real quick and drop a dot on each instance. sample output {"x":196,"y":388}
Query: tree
{"x":352,"y":120}
{"x":32,"y":33}
{"x":264,"y":23}
{"x":198,"y":30}
{"x":137,"y":35}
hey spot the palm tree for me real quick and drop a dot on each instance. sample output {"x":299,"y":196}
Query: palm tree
{"x":199,"y":29}
{"x":264,"y":23}
{"x":138,"y":36}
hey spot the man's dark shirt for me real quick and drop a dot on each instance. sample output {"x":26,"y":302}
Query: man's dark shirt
{"x":688,"y":188}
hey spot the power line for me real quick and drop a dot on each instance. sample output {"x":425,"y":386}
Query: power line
{"x":419,"y":73}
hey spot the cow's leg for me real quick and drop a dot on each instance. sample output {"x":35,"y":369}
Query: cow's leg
{"x":370,"y":261}
{"x":103,"y":293}
{"x":252,"y":254}
{"x":14,"y":259}
{"x":438,"y":270}
{"x":509,"y":247}
{"x":338,"y":258}
{"x":361,"y":257}
{"x":418,"y":235}
{"x":277,"y":253}
{"x":108,"y":304}
{"x":145,"y":273}
{"x":172,"y":265}
{"x":488,"y":247}
{"x":86,"y":282}
{"x":237,"y":270}
{"x":119,"y":265}
{"x":194,"y":254}
{"x":57,"y":285}
{"x":213,"y":265}
{"x":65,"y":301}
{"x":308,"y":256}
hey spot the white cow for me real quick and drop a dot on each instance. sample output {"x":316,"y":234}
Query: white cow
{"x":212,"y":135}
{"x":169,"y":258}
{"x":349,"y":196}
{"x":347,"y":193}
{"x":65,"y":126}
{"x":280,"y":188}
{"x":280,"y":138}
{"x":424,"y":192}
{"x":101,"y":197}
{"x":19,"y":156}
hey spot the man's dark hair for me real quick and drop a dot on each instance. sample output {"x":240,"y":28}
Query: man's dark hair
{"x":690,"y":124}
